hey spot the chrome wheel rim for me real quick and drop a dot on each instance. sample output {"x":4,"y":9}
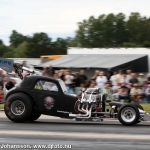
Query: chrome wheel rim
{"x":128,"y":114}
{"x":17,"y":107}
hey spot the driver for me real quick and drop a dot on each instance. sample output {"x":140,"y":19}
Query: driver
{"x":50,"y":86}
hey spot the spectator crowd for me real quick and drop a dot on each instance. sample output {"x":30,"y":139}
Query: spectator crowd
{"x":4,"y":78}
{"x":121,"y":85}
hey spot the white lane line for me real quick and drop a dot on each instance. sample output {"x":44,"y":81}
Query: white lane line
{"x":76,"y":134}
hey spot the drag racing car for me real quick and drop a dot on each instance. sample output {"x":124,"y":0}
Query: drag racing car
{"x":37,"y":95}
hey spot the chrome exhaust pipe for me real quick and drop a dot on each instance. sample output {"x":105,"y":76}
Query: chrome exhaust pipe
{"x":82,"y":109}
{"x":72,"y":115}
{"x":87,"y":115}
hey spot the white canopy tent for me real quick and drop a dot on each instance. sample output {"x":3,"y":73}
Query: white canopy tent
{"x":104,"y":61}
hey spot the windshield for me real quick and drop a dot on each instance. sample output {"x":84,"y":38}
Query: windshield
{"x":63,"y":86}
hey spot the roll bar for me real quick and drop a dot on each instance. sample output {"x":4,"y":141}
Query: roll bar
{"x":18,"y":66}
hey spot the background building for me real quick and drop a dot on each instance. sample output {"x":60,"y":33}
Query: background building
{"x":108,"y":60}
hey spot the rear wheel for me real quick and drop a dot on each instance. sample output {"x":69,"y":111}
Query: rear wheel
{"x":129,"y":114}
{"x":18,"y":107}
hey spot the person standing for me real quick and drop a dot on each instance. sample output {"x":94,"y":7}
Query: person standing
{"x":136,"y":93}
{"x":50,"y":71}
{"x":1,"y":75}
{"x":148,"y":79}
{"x":123,"y":93}
{"x":147,"y":93}
{"x":61,"y":74}
{"x":119,"y":76}
{"x":113,"y":80}
{"x":77,"y":81}
{"x":77,"y":84}
{"x":68,"y":78}
{"x":133,"y":79}
{"x":95,"y":75}
{"x":141,"y":79}
{"x":1,"y":93}
{"x":101,"y":79}
{"x":82,"y":76}
{"x":128,"y":75}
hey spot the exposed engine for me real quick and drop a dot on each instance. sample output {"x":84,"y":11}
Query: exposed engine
{"x":89,"y":105}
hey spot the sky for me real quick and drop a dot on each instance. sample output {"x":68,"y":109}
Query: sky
{"x":59,"y":18}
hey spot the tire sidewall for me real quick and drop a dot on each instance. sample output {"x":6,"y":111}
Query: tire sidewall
{"x":136,"y":112}
{"x":27,"y":103}
{"x":33,"y":116}
{"x":139,"y":106}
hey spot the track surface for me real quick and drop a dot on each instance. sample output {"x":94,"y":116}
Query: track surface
{"x":107,"y":135}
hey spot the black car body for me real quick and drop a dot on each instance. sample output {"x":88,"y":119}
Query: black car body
{"x":49,"y":101}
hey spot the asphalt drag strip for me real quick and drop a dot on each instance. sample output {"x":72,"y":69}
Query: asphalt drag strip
{"x":81,"y":135}
{"x":75,"y":135}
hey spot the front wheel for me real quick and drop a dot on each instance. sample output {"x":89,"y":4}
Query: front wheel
{"x":140,"y":107}
{"x":18,"y":107}
{"x":128,"y":114}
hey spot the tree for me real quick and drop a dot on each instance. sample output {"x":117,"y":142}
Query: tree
{"x":82,"y":34}
{"x":39,"y":44}
{"x":71,"y":42}
{"x":120,"y":31}
{"x":59,"y":47}
{"x":3,"y":49}
{"x":146,"y":44}
{"x":105,"y":31}
{"x":8,"y":55}
{"x":20,"y":51}
{"x":16,"y":38}
{"x":129,"y":44}
{"x":113,"y":31}
{"x":1,"y":42}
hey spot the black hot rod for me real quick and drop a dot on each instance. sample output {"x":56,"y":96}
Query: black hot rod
{"x":37,"y":95}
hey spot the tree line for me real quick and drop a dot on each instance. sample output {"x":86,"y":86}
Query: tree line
{"x":102,"y":32}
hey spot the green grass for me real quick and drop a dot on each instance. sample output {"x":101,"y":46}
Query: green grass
{"x":146,"y":107}
{"x":1,"y":106}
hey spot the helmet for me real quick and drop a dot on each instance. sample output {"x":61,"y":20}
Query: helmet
{"x":9,"y":85}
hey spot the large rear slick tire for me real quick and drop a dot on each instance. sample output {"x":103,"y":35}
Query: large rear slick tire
{"x":18,"y":107}
{"x":128,"y":114}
